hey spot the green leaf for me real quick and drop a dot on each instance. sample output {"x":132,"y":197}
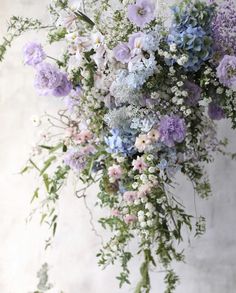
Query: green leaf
{"x":47,"y":164}
{"x":35,"y":195}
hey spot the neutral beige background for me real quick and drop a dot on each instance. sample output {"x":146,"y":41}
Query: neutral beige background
{"x":211,"y":261}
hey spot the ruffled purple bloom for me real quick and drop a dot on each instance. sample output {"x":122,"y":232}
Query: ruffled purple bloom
{"x":224,"y":28}
{"x":215,"y":112}
{"x":78,"y":159}
{"x":49,"y":80}
{"x":33,"y":54}
{"x":226,"y":71}
{"x":141,"y":13}
{"x":64,"y":87}
{"x":134,"y":37}
{"x":122,"y":53}
{"x":194,"y":93}
{"x":75,"y":160}
{"x":172,"y":129}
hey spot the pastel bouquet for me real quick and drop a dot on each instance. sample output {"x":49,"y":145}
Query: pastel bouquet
{"x":141,"y":95}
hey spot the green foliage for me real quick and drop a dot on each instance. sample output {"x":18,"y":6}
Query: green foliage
{"x":16,"y":27}
{"x":171,"y":280}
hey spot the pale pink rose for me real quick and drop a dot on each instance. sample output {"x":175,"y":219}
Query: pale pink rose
{"x":144,"y":190}
{"x":114,"y":172}
{"x":130,"y":196}
{"x":84,"y":136}
{"x":139,"y":164}
{"x":115,"y":213}
{"x":154,"y":135}
{"x":142,"y":142}
{"x":129,"y":219}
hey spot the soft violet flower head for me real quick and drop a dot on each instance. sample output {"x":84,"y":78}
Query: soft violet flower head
{"x":33,"y":54}
{"x":64,"y":88}
{"x":136,"y":40}
{"x":172,"y":129}
{"x":215,"y":112}
{"x":226,"y":71}
{"x":49,"y":80}
{"x":122,"y":53}
{"x":75,"y":159}
{"x":141,"y":13}
{"x":48,"y":77}
{"x":194,"y":93}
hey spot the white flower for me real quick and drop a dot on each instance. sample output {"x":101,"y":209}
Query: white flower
{"x":143,"y":224}
{"x":35,"y":120}
{"x":173,"y":47}
{"x":182,"y":60}
{"x":151,"y":169}
{"x":135,"y":185}
{"x":150,"y":158}
{"x":140,"y":213}
{"x":150,"y":223}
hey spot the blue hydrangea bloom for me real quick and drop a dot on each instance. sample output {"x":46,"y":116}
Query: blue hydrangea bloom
{"x":193,"y":42}
{"x":120,"y":143}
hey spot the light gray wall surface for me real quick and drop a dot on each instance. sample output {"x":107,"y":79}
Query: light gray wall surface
{"x":210,"y":262}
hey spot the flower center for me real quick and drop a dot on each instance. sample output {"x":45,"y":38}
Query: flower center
{"x":141,"y":11}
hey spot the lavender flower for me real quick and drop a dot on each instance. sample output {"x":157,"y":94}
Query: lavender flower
{"x":49,"y":80}
{"x":215,"y":112}
{"x":122,"y":53}
{"x":172,"y":129}
{"x":194,"y":93}
{"x":141,"y":13}
{"x":64,"y":87}
{"x":224,"y":28}
{"x":75,"y":160}
{"x":33,"y":54}
{"x":226,"y":71}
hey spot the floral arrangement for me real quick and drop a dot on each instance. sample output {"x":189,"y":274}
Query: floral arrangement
{"x":141,"y":95}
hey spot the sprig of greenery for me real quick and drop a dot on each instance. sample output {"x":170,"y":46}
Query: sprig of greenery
{"x":16,"y":27}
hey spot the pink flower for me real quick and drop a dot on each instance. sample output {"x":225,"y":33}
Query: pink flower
{"x":129,"y":219}
{"x":115,"y":213}
{"x":88,"y":149}
{"x":115,"y":172}
{"x":144,"y":190}
{"x":142,"y":142}
{"x":139,"y":164}
{"x":130,"y":196}
{"x":84,"y":136}
{"x":154,"y":135}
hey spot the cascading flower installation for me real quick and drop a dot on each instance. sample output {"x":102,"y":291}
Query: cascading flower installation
{"x":141,"y":98}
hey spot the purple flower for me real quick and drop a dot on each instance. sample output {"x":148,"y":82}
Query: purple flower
{"x":33,"y":54}
{"x":172,"y":129}
{"x":136,"y":40}
{"x":141,"y":13}
{"x":194,"y":93}
{"x":75,"y":159}
{"x":50,"y":80}
{"x":226,"y":71}
{"x":215,"y":112}
{"x":64,"y":87}
{"x":224,"y":28}
{"x":122,"y":53}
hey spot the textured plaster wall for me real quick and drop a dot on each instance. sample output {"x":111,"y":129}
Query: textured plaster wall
{"x":211,"y":260}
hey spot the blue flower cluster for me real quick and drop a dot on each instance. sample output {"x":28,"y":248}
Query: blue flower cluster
{"x":120,"y":143}
{"x":194,"y":43}
{"x":191,"y":34}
